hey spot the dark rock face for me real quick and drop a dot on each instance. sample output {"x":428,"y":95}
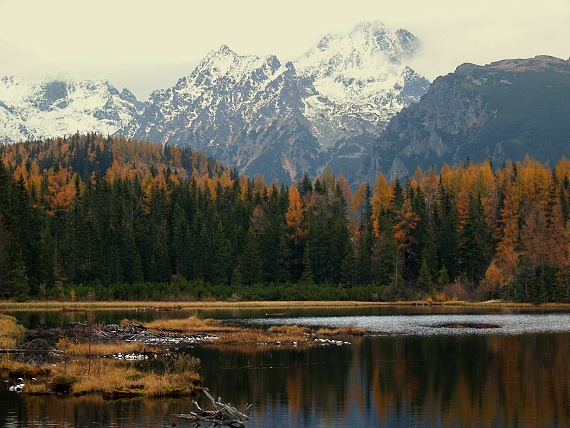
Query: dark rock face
{"x":501,"y":111}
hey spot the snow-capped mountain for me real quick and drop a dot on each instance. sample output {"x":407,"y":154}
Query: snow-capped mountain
{"x":245,"y":110}
{"x":251,"y":112}
{"x":364,"y":75}
{"x":280,"y":120}
{"x":33,"y":110}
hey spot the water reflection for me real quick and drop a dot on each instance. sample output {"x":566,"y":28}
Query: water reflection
{"x":503,"y":381}
{"x":88,"y":411}
{"x":495,"y":379}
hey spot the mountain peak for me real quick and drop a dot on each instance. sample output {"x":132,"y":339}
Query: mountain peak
{"x":361,"y":65}
{"x":224,"y":63}
{"x":369,"y":26}
{"x":223,"y":50}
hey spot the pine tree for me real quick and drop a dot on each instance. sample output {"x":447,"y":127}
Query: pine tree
{"x":349,"y":274}
{"x":474,"y":243}
{"x":365,"y":239}
{"x":425,"y":280}
{"x":250,"y":262}
{"x":446,"y":230}
{"x":307,"y":273}
{"x":443,"y":277}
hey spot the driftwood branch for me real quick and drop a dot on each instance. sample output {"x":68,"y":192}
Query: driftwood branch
{"x":222,"y":415}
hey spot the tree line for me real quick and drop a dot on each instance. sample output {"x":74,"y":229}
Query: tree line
{"x":88,"y":216}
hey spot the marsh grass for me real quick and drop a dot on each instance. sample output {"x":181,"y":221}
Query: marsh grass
{"x":191,"y":324}
{"x":118,"y":378}
{"x":10,"y":332}
{"x":89,"y":368}
{"x":233,"y":335}
{"x":289,"y":330}
{"x":273,"y":335}
{"x":171,"y":306}
{"x":107,"y":349}
{"x":108,"y":376}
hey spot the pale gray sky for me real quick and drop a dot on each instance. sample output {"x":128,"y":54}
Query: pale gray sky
{"x":145,"y":45}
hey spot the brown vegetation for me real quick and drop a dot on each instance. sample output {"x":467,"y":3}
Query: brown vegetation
{"x":191,"y":324}
{"x":96,"y":368}
{"x":10,"y":332}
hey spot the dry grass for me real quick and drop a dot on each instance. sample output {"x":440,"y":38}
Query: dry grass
{"x":280,"y":306}
{"x":289,"y":330}
{"x":273,"y":335}
{"x":189,"y":325}
{"x":87,"y":372}
{"x":105,"y":349}
{"x":230,"y":335}
{"x":170,"y":306}
{"x":243,"y":337}
{"x":10,"y":332}
{"x":109,"y":376}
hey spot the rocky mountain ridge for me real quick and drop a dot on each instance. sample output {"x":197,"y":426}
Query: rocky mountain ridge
{"x":501,"y":111}
{"x":250,"y":112}
{"x":281,"y":120}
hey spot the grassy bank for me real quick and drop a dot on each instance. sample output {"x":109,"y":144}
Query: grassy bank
{"x":274,"y":305}
{"x":83,"y":367}
{"x":10,"y":332}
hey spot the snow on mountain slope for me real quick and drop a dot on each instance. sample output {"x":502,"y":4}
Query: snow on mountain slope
{"x":238,"y":108}
{"x":251,"y":112}
{"x":281,"y":120}
{"x":366,"y":62}
{"x":32,"y":110}
{"x":364,"y":76}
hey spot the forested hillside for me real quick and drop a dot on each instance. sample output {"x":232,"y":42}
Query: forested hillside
{"x":91,"y":217}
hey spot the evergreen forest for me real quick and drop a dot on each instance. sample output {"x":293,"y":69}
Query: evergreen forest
{"x":90,"y":217}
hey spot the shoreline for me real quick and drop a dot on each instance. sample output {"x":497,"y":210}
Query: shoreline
{"x":177,"y":305}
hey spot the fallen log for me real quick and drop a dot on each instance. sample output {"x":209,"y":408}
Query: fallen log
{"x":222,"y":415}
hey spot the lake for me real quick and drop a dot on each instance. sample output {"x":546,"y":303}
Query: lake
{"x":420,"y":367}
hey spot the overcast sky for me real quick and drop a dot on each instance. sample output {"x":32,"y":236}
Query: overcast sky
{"x":145,"y":45}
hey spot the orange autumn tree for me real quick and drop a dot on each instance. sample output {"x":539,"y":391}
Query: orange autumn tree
{"x":407,"y":221}
{"x":504,"y":265}
{"x":61,"y":190}
{"x":381,"y":200}
{"x":294,"y":216}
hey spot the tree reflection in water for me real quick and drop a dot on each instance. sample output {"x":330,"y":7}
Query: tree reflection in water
{"x":457,"y":381}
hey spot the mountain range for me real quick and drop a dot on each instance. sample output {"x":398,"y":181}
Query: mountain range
{"x":352,"y":103}
{"x":261,"y":116}
{"x":33,"y":110}
{"x":251,"y":112}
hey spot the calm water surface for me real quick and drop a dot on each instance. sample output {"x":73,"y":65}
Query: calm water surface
{"x":413,"y":370}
